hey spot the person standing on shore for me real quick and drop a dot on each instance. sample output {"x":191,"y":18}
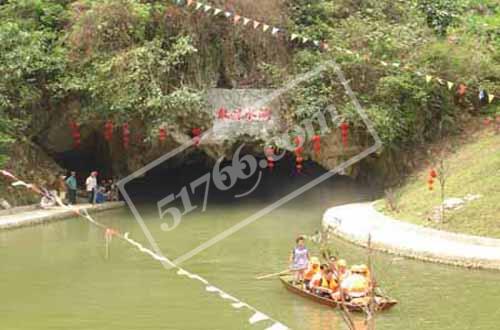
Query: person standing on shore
{"x":62,"y":188}
{"x":72,"y":187}
{"x":91,"y":184}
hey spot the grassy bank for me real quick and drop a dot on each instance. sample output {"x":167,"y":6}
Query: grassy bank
{"x":473,"y":168}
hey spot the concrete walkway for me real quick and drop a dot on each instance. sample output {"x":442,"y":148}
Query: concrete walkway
{"x":33,"y":217}
{"x":354,"y":222}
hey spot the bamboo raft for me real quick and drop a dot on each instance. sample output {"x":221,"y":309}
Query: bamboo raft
{"x":356,"y":305}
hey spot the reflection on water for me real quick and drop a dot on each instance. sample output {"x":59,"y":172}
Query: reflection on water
{"x":56,"y":277}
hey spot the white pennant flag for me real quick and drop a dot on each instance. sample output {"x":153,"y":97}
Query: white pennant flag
{"x":239,"y":305}
{"x":275,"y":30}
{"x":316,"y":43}
{"x":257,"y":317}
{"x":428,"y":78}
{"x":304,"y":40}
{"x":383,"y":63}
{"x":21,"y":183}
{"x":227,"y":14}
{"x":395,"y":64}
{"x":450,"y":85}
{"x":198,"y":5}
{"x":294,"y":36}
{"x":207,"y":8}
{"x":217,"y":11}
{"x":439,"y":80}
{"x":491,"y":97}
{"x":277,"y":326}
{"x":246,"y":20}
{"x":265,"y":27}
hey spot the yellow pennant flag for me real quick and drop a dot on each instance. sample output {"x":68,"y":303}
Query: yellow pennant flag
{"x":428,"y":78}
{"x":491,"y":97}
{"x":450,"y":85}
{"x":265,"y":27}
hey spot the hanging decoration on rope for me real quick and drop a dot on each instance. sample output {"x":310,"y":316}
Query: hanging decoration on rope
{"x":298,"y":154}
{"x":109,"y":233}
{"x":316,"y":144}
{"x":162,"y":135}
{"x":432,"y":176}
{"x":196,"y":132}
{"x":269,"y":152}
{"x":108,"y":130}
{"x":75,"y":134}
{"x":344,"y":128}
{"x":126,"y":135}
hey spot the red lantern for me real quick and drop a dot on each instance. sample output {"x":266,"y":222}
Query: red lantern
{"x":269,"y":152}
{"x":75,"y":134}
{"x":162,"y":134}
{"x":298,"y":141}
{"x":344,"y":127}
{"x":108,"y":130}
{"x":316,"y":141}
{"x":430,"y":182}
{"x":126,"y":135}
{"x":222,"y":113}
{"x":433,"y":173}
{"x":196,"y":136}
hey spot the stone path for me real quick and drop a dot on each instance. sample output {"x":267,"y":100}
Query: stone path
{"x":38,"y":216}
{"x":354,"y":222}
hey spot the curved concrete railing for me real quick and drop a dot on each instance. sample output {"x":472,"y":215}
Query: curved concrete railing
{"x":355,"y":222}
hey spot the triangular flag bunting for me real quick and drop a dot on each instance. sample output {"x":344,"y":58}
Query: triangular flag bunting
{"x":439,"y":80}
{"x":304,"y":40}
{"x":198,"y":5}
{"x":275,"y":30}
{"x":246,"y":20}
{"x":294,"y":36}
{"x":491,"y":97}
{"x":237,"y":305}
{"x":211,"y":288}
{"x":395,"y":64}
{"x":428,"y":78}
{"x":257,"y":317}
{"x":265,"y":27}
{"x":277,"y":326}
{"x":316,"y":43}
{"x":383,"y":63}
{"x":450,"y":85}
{"x":190,"y":2}
{"x":227,"y":14}
{"x":207,"y":8}
{"x":217,"y":11}
{"x":349,"y":52}
{"x":256,"y":24}
{"x":236,"y":19}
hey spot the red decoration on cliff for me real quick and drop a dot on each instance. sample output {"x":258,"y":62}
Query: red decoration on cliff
{"x":433,"y":173}
{"x":269,"y":152}
{"x":196,"y":136}
{"x":298,"y":153}
{"x":162,"y":134}
{"x":430,"y":181}
{"x":125,"y":135}
{"x":108,"y":130}
{"x":316,"y":143}
{"x":344,"y":127}
{"x":75,"y":134}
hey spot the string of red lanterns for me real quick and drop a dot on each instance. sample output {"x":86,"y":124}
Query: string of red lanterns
{"x":269,"y":152}
{"x":430,"y":181}
{"x":316,"y":144}
{"x":196,"y":136}
{"x":344,"y":127}
{"x":108,"y":130}
{"x":298,"y":154}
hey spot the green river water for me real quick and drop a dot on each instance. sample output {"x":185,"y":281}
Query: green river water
{"x":55,"y":276}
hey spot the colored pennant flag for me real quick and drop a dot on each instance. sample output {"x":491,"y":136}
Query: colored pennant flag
{"x":450,"y":85}
{"x":198,"y":5}
{"x":8,"y":174}
{"x":294,"y":36}
{"x":482,"y":95}
{"x":227,"y":14}
{"x":428,"y":78}
{"x":246,"y":20}
{"x":236,"y":19}
{"x":277,"y":326}
{"x":396,"y":65}
{"x":265,"y":27}
{"x":304,"y":40}
{"x":217,"y":11}
{"x":207,"y":8}
{"x":257,"y":317}
{"x":256,"y":24}
{"x":439,"y":80}
{"x":190,"y":2}
{"x":384,"y":63}
{"x":316,"y":43}
{"x":275,"y":31}
{"x":491,"y":97}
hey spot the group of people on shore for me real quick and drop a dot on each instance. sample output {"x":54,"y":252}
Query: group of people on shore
{"x":66,"y":189}
{"x":332,"y":279}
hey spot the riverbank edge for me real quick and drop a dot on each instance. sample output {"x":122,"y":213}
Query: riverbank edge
{"x":57,"y":214}
{"x":333,"y":220}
